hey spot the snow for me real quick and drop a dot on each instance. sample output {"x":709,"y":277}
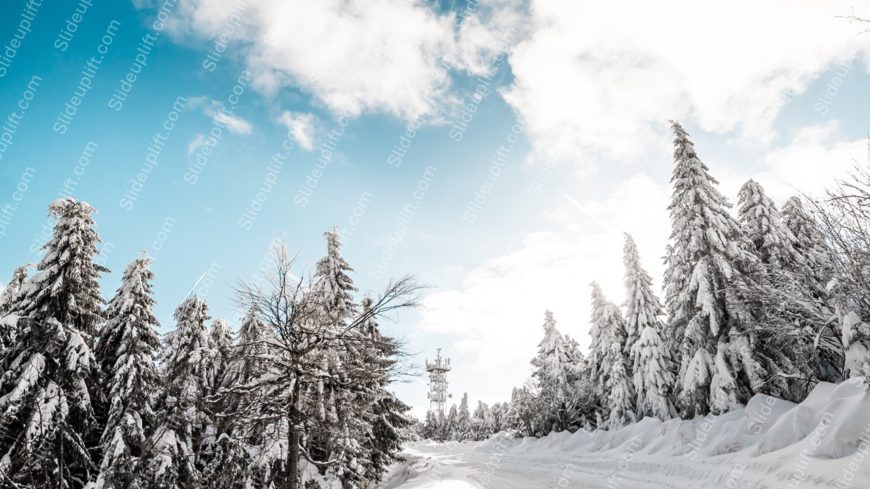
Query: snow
{"x":823,"y":442}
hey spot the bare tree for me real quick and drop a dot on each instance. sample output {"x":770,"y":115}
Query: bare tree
{"x":303,"y":331}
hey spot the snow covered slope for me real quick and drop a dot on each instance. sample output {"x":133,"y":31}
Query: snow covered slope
{"x":823,"y":442}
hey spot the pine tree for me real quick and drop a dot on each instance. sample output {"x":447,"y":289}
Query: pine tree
{"x":126,"y":349}
{"x":642,"y":307}
{"x":650,"y":358}
{"x":653,"y":379}
{"x":812,"y":282}
{"x":50,"y":373}
{"x":778,"y":342}
{"x":332,"y":284}
{"x":620,"y":401}
{"x":387,"y":415}
{"x":607,"y":330}
{"x":557,"y":369}
{"x":769,"y":238}
{"x":19,"y":277}
{"x":218,"y":360}
{"x":8,"y":331}
{"x":703,"y":262}
{"x":340,"y":420}
{"x":252,"y":446}
{"x":176,"y":440}
{"x":463,"y":418}
{"x":808,"y":241}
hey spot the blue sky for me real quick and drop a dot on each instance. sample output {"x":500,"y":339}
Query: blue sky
{"x":590,"y":161}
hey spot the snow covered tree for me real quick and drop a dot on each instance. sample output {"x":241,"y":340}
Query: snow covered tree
{"x":50,"y":373}
{"x":8,"y":331}
{"x":650,"y":357}
{"x":291,"y":392}
{"x":785,"y":298}
{"x":703,"y":262}
{"x":463,"y":418}
{"x":126,"y":350}
{"x":557,"y":369}
{"x":808,"y":240}
{"x":451,"y":424}
{"x":607,"y":329}
{"x":620,"y":400}
{"x":653,"y":378}
{"x":523,"y":411}
{"x":251,"y":448}
{"x":386,"y":416}
{"x":856,"y":342}
{"x":333,"y":287}
{"x":19,"y":277}
{"x":176,"y":440}
{"x":768,"y":236}
{"x":808,"y":294}
{"x":642,"y":307}
{"x":481,"y":422}
{"x":217,"y":360}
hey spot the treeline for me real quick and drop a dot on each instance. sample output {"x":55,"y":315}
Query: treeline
{"x":772,"y":301}
{"x":91,"y":396}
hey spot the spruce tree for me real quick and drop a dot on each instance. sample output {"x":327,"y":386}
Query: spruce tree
{"x":653,"y":378}
{"x":620,"y":400}
{"x":557,"y":369}
{"x":176,"y":440}
{"x":812,"y":282}
{"x":608,"y":331}
{"x":463,"y":418}
{"x":808,"y":240}
{"x":642,"y":307}
{"x":8,"y":329}
{"x":19,"y":277}
{"x":703,"y":262}
{"x":50,"y":374}
{"x":388,"y":416}
{"x":650,"y":357}
{"x":778,"y":345}
{"x":218,"y":361}
{"x":126,"y":350}
{"x":768,"y":236}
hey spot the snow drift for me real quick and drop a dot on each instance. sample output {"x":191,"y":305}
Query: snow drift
{"x":823,"y":442}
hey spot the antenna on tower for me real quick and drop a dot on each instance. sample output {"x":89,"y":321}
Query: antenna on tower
{"x":438,"y":383}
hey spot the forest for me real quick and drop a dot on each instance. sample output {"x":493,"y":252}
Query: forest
{"x":770,"y":301}
{"x":92,"y":396}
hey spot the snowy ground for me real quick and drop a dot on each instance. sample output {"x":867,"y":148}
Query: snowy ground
{"x":824,"y":442}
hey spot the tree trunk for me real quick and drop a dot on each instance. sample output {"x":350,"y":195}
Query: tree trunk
{"x":293,"y":441}
{"x":293,"y":464}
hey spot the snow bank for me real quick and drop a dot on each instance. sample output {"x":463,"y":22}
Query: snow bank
{"x":771,"y":443}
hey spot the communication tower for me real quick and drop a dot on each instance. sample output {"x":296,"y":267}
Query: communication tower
{"x":438,"y":383}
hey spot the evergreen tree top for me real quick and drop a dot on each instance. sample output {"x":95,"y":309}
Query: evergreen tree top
{"x":221,"y":335}
{"x":129,"y":313}
{"x":65,"y":286}
{"x":332,"y":285}
{"x":642,"y":305}
{"x":762,"y":223}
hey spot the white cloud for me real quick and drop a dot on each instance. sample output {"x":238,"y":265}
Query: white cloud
{"x":813,"y":160}
{"x":598,"y":80}
{"x":301,"y":127}
{"x":355,"y":56}
{"x":220,"y":116}
{"x":233,"y":123}
{"x":496,"y":314}
{"x":197,"y":142}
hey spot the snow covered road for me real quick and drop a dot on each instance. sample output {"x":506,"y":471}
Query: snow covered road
{"x":824,"y":442}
